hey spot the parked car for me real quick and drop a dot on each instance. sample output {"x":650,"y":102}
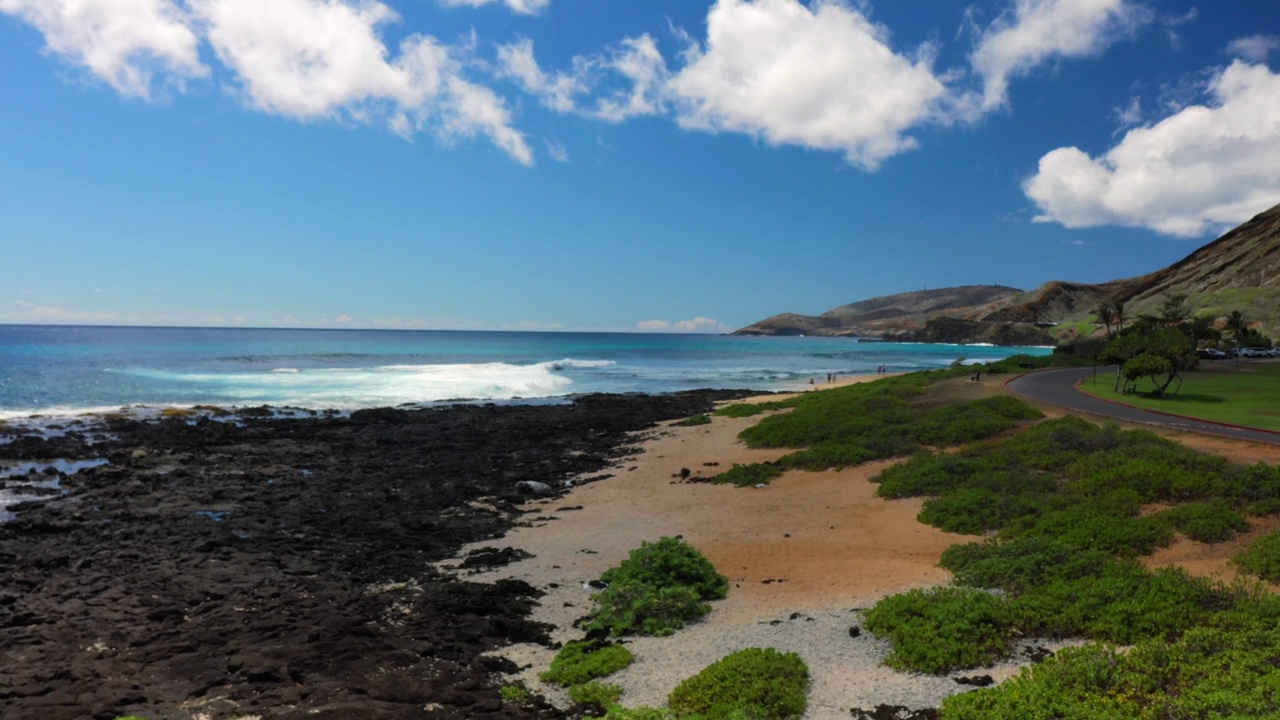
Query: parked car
{"x":1212,"y":354}
{"x":1251,"y":352}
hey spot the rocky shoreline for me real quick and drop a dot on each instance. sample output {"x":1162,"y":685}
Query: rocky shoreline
{"x":283,"y":568}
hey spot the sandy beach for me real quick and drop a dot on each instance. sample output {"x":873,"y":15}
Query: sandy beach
{"x":803,"y":555}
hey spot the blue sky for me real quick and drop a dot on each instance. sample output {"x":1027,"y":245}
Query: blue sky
{"x":665,"y":165}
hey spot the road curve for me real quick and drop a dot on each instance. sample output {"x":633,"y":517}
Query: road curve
{"x":1057,"y":387}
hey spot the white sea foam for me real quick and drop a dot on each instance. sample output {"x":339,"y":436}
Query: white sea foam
{"x":349,"y":388}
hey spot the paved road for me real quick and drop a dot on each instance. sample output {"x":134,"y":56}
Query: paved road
{"x":1057,"y":387}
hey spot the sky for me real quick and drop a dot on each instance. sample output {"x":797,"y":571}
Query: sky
{"x":612,"y":165}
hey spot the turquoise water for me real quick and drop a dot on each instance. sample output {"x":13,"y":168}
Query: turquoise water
{"x":55,"y":370}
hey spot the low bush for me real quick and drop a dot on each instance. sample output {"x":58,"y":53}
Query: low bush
{"x":661,"y":586}
{"x":694,"y":420}
{"x":975,"y":511}
{"x":748,"y":475}
{"x":1020,"y":564}
{"x":629,"y":608}
{"x":1208,"y":673}
{"x":671,"y":562}
{"x":1262,"y":558}
{"x":1209,"y":522}
{"x":741,"y":410}
{"x":1101,"y":525}
{"x":1123,"y":604}
{"x":598,"y":695}
{"x":517,"y":694}
{"x":585,"y":660}
{"x":756,"y":683}
{"x":942,"y":629}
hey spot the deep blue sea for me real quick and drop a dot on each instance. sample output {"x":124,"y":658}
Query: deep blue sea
{"x":64,"y":370}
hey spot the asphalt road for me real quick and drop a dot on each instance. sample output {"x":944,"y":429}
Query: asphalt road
{"x":1057,"y":387}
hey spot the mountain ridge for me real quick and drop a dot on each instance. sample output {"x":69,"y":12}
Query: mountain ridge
{"x":1238,"y":271}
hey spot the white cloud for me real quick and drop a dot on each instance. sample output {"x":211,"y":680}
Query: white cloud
{"x":1255,"y":47}
{"x":526,"y":7}
{"x":124,"y":42}
{"x":639,"y":62}
{"x":696,"y":325}
{"x":1035,"y":32}
{"x":821,"y":76}
{"x":636,"y":62}
{"x":557,"y":91}
{"x":312,"y":59}
{"x":557,"y":151}
{"x":1203,"y":169}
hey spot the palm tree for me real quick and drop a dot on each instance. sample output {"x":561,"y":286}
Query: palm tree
{"x":1107,"y":316}
{"x":1238,"y":325}
{"x":1117,"y":308}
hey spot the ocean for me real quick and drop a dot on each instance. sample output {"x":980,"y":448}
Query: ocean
{"x":68,"y":370}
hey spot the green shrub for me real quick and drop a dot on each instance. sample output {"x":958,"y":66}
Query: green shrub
{"x":975,"y":511}
{"x":596,"y":694}
{"x":1098,"y":526}
{"x":741,"y":410}
{"x":1262,"y":558}
{"x":1020,"y":564}
{"x":694,"y":420}
{"x":748,"y":475}
{"x":661,"y":586}
{"x":942,"y":629}
{"x":671,"y":562}
{"x":585,"y":660}
{"x":762,"y":684}
{"x":629,"y":607}
{"x":517,"y":694}
{"x":1209,"y":522}
{"x":1123,"y":603}
{"x":1208,"y":673}
{"x":642,"y":713}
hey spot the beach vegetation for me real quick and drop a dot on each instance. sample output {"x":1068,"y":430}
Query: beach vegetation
{"x":1214,"y":521}
{"x":741,"y":410}
{"x":582,"y":661}
{"x":515,"y":693}
{"x":661,"y":586}
{"x":597,"y":695}
{"x":749,"y":475}
{"x":1262,"y":558}
{"x":1068,"y":509}
{"x":757,"y":683}
{"x":695,"y":420}
{"x":1211,"y":672}
{"x":872,"y":421}
{"x":941,"y":629}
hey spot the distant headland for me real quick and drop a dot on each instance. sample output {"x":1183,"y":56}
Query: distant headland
{"x":1238,"y":271}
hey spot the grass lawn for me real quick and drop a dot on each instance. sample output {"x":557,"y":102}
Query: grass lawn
{"x":1219,"y":390}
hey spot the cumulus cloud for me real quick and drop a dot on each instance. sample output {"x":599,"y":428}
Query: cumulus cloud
{"x":123,"y":42}
{"x":1255,"y":47}
{"x":696,"y":325}
{"x":525,"y":7}
{"x":819,"y":76}
{"x":1035,"y":32}
{"x":312,"y":59}
{"x":1202,"y":169}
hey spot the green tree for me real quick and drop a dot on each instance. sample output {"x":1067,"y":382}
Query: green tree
{"x":1174,"y":310}
{"x":1164,"y":354}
